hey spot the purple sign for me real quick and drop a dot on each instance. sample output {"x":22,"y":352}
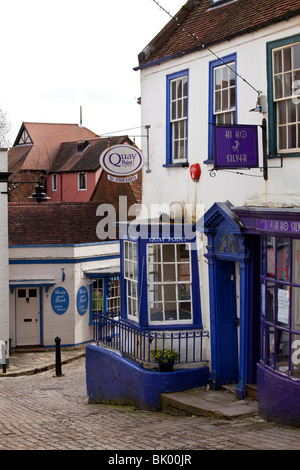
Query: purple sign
{"x":287,"y":226}
{"x":235,"y":146}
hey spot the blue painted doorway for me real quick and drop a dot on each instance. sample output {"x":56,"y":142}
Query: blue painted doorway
{"x":227,"y":322}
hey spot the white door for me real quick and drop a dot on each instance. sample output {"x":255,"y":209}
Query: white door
{"x":28,"y":317}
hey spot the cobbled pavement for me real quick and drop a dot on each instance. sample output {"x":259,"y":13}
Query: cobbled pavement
{"x":45,"y":412}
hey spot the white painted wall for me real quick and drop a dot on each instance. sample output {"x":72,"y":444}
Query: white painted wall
{"x":165,"y":185}
{"x":71,"y":327}
{"x":4,"y":312}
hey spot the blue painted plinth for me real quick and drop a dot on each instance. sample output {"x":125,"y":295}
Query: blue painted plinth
{"x":113,"y":379}
{"x":278,"y":397}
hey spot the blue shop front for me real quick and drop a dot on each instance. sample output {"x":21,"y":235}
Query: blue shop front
{"x":160,"y":315}
{"x":255,"y":335}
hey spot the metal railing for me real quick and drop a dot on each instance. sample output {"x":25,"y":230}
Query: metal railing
{"x":142,"y":345}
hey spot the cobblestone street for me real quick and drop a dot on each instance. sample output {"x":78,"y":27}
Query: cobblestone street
{"x":45,"y":412}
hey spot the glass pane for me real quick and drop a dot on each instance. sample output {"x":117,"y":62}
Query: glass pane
{"x":269,"y":346}
{"x":173,"y":89}
{"x":282,"y":138}
{"x":218,"y":78}
{"x":225,"y":77}
{"x":169,"y":273}
{"x":32,"y":293}
{"x":291,"y":111}
{"x":185,"y":311}
{"x":295,"y":356}
{"x":217,"y":101}
{"x":168,"y":253}
{"x":282,"y":112}
{"x":283,"y":259}
{"x":184,"y":114}
{"x":271,"y":256}
{"x":287,"y":63}
{"x":232,"y":97}
{"x":287,"y":84}
{"x":277,"y":61}
{"x":184,"y":292}
{"x":170,"y":311}
{"x":278,"y":87}
{"x":296,"y":56}
{"x":170,"y":292}
{"x":292,"y":136}
{"x":283,"y":304}
{"x":179,"y":88}
{"x":295,"y":312}
{"x":173,"y":112}
{"x":231,"y":75}
{"x":296,"y":260}
{"x":224,"y":100}
{"x":270,"y":302}
{"x":179,"y":109}
{"x":282,"y":351}
{"x":156,"y":311}
{"x":183,"y":272}
{"x":182,"y":252}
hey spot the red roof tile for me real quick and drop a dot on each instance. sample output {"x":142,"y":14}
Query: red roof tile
{"x":46,"y":139}
{"x":214,"y":23}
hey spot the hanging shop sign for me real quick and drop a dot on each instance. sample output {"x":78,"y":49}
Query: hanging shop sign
{"x":121,"y":160}
{"x":235,"y":146}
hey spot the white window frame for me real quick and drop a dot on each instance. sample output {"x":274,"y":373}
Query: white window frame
{"x":155,"y":266}
{"x":286,"y":85}
{"x":130,"y":275}
{"x":224,"y":93}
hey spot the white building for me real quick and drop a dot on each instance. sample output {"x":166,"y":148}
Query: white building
{"x":218,"y":68}
{"x":4,"y":312}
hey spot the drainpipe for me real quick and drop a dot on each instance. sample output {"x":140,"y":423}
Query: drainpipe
{"x":3,"y":356}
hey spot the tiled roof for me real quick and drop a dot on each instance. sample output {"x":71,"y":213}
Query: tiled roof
{"x":214,"y":23}
{"x":69,"y":157}
{"x":52,"y":223}
{"x":46,"y":139}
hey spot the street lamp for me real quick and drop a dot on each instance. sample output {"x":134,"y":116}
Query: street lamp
{"x":39,"y":194}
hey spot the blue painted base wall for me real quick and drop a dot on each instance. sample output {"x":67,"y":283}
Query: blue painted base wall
{"x":278,"y":397}
{"x":113,"y":379}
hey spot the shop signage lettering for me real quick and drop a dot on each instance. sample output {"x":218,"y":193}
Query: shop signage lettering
{"x":235,"y":147}
{"x":60,"y":300}
{"x":82,"y":300}
{"x":283,"y":267}
{"x":279,"y":226}
{"x":121,"y":160}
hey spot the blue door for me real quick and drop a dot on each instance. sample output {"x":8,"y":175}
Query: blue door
{"x":226,"y":322}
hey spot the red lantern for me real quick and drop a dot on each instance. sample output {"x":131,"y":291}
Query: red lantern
{"x":195,"y":171}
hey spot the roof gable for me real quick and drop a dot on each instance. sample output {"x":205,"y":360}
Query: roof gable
{"x":46,"y":139}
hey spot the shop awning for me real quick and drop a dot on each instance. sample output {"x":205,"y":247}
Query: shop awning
{"x":21,"y":283}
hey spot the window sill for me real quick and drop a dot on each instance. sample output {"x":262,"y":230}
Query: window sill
{"x":283,"y":155}
{"x":176,"y":165}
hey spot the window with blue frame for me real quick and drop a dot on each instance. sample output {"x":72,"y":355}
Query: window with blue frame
{"x":131,"y":278}
{"x":280,"y":304}
{"x":222,"y":95}
{"x":177,"y":119}
{"x":169,"y":283}
{"x":284,"y":101}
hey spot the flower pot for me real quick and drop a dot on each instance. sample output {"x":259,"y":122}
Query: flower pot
{"x":165,"y":366}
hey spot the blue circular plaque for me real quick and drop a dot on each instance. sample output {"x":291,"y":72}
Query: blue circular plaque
{"x":60,"y":300}
{"x":82,"y":300}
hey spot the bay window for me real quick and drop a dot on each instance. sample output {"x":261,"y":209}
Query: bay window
{"x":169,"y":283}
{"x":280,"y":304}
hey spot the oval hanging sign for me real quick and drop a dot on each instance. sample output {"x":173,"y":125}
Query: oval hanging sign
{"x":121,"y":160}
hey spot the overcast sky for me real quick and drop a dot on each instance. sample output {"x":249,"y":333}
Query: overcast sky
{"x":59,"y":55}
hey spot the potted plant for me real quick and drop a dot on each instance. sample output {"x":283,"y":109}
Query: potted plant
{"x":165,"y":359}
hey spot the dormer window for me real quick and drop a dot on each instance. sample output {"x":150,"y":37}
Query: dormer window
{"x":82,"y":146}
